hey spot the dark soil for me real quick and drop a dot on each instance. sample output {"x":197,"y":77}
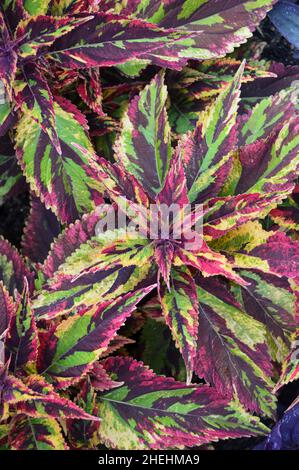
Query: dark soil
{"x":13,"y":214}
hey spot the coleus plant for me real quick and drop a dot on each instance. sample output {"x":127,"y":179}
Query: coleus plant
{"x":39,"y":40}
{"x":229,"y":300}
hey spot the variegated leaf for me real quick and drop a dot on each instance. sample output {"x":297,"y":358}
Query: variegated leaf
{"x":290,"y":365}
{"x":28,"y":433}
{"x":48,"y":403}
{"x":66,"y":182}
{"x":76,"y":343}
{"x":155,"y":412}
{"x":34,"y":97}
{"x":7,"y":310}
{"x":271,"y":300}
{"x":143,"y":147}
{"x":107,"y":39}
{"x":36,"y":33}
{"x":232,"y":349}
{"x":271,"y":165}
{"x":207,"y":151}
{"x":21,"y":340}
{"x":13,"y":268}
{"x":214,"y":27}
{"x":266,"y":116}
{"x":40,"y":230}
{"x":100,"y":269}
{"x":227,"y":213}
{"x":69,"y":240}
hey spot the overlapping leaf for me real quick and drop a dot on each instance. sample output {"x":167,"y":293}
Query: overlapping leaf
{"x":108,"y":39}
{"x":271,"y":165}
{"x":232,"y":350}
{"x":100,"y":268}
{"x":28,"y":433}
{"x":207,"y":151}
{"x":13,"y":268}
{"x":143,"y":147}
{"x":214,"y":28}
{"x":35,"y":99}
{"x":66,"y":182}
{"x":155,"y":412}
{"x":7,"y":308}
{"x":71,"y":348}
{"x":21,"y":341}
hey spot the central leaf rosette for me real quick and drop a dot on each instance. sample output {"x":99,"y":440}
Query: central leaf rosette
{"x":191,"y":217}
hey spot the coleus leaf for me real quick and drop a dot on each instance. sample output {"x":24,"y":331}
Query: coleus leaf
{"x":197,"y":85}
{"x":37,"y":398}
{"x":13,"y":390}
{"x":8,"y":58}
{"x":232,"y":351}
{"x":180,"y":308}
{"x":266,"y":116}
{"x":109,"y":39}
{"x":266,"y":257}
{"x":39,"y":232}
{"x":252,"y":247}
{"x":156,"y":412}
{"x":286,"y":217}
{"x":7,"y":309}
{"x":90,"y":90}
{"x":36,"y":7}
{"x":48,"y":403}
{"x":66,"y":182}
{"x":144,"y":146}
{"x":69,"y":240}
{"x":118,"y":342}
{"x":34,"y":97}
{"x":21,"y":340}
{"x":214,"y":28}
{"x":100,"y":268}
{"x":208,"y":262}
{"x":76,"y":343}
{"x":100,"y":379}
{"x":13,"y":269}
{"x":213,"y":76}
{"x":36,"y":33}
{"x":285,"y":76}
{"x":28,"y":433}
{"x":271,"y":165}
{"x":14,"y":12}
{"x":272,"y":301}
{"x":7,"y":117}
{"x":59,"y":7}
{"x":227,"y":213}
{"x":207,"y":151}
